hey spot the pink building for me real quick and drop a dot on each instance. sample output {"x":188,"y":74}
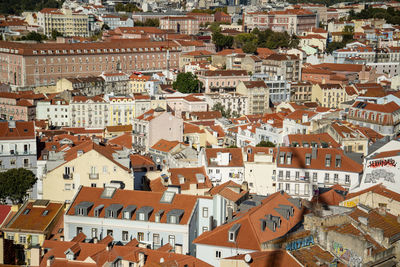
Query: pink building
{"x":24,"y":64}
{"x":16,"y":107}
{"x":183,"y":25}
{"x":188,"y":103}
{"x":294,"y":21}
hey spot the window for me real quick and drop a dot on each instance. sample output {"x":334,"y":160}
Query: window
{"x":297,"y":175}
{"x":78,"y":230}
{"x":314,"y":176}
{"x":110,"y":232}
{"x":306,"y":189}
{"x":156,"y":239}
{"x":336,"y":177}
{"x":205,"y":229}
{"x":104,"y":169}
{"x":93,"y":185}
{"x":125,"y":236}
{"x":218,"y":254}
{"x":360,"y":147}
{"x":12,"y":161}
{"x":328,"y":161}
{"x":308,"y":159}
{"x":338,"y":162}
{"x":296,"y":189}
{"x":282,"y":159}
{"x":205,"y":212}
{"x":287,"y":175}
{"x":287,"y":187}
{"x":327,"y":177}
{"x":172,"y":219}
{"x":140,"y":236}
{"x":171,"y":240}
{"x":45,"y":212}
{"x":280,"y":175}
{"x":347,"y":179}
{"x":141,"y":216}
{"x":67,"y":187}
{"x":94,"y":232}
{"x":22,"y":239}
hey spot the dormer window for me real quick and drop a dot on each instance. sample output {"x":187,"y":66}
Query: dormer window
{"x":328,"y":160}
{"x":338,"y":161}
{"x":282,"y":158}
{"x":174,"y":216}
{"x":289,"y":158}
{"x":141,"y":216}
{"x":233,"y":232}
{"x":308,"y":159}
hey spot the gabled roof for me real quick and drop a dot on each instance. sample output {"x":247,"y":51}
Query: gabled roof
{"x":190,"y":177}
{"x":322,"y":138}
{"x":165,"y":145}
{"x":22,"y":130}
{"x":123,"y":140}
{"x":250,"y":234}
{"x":235,"y":161}
{"x":136,"y":198}
{"x":276,"y":258}
{"x":385,"y":108}
{"x":376,"y":189}
{"x":138,"y":161}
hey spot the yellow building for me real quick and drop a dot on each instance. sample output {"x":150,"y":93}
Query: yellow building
{"x":198,"y":136}
{"x":34,"y":222}
{"x":65,"y":21}
{"x":121,"y":111}
{"x":87,"y":164}
{"x":138,"y":83}
{"x":329,"y":95}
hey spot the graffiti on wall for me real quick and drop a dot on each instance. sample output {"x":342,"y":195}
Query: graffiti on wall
{"x":379,"y":174}
{"x":382,"y":163}
{"x":346,"y":255}
{"x":300,"y":243}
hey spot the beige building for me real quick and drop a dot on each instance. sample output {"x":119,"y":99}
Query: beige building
{"x":65,"y":21}
{"x":184,"y":25}
{"x":89,"y":112}
{"x":300,"y":91}
{"x":87,"y":164}
{"x":237,"y":103}
{"x":258,"y":96}
{"x":329,"y":95}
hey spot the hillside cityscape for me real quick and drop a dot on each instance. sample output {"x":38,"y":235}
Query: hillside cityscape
{"x":197,"y":133}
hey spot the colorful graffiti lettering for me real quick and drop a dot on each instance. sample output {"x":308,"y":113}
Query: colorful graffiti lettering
{"x":382,"y":163}
{"x":300,"y":243}
{"x":379,"y":174}
{"x":346,"y":255}
{"x":351,"y":203}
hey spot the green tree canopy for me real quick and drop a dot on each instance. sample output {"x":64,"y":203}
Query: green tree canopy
{"x":33,"y":36}
{"x":187,"y":82}
{"x":129,"y":7}
{"x":15,"y":183}
{"x":55,"y":34}
{"x":19,"y":6}
{"x":222,"y":41}
{"x":219,"y":107}
{"x":265,"y":144}
{"x":148,"y":23}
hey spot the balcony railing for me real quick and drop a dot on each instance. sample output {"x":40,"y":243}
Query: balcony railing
{"x":93,"y":176}
{"x":67,"y":175}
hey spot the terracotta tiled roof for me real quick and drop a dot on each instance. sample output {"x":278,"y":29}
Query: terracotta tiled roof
{"x":139,"y":199}
{"x":189,"y":175}
{"x":22,"y":130}
{"x":250,"y":235}
{"x":229,"y":184}
{"x":34,"y":220}
{"x":276,"y":258}
{"x":299,"y":155}
{"x":385,"y":108}
{"x":313,"y":138}
{"x":236,"y":161}
{"x":251,"y":151}
{"x":124,"y":140}
{"x":255,"y":84}
{"x":189,"y":128}
{"x":206,"y":115}
{"x":5,"y":211}
{"x":138,"y":161}
{"x":309,"y":256}
{"x":164,"y":145}
{"x":330,"y":197}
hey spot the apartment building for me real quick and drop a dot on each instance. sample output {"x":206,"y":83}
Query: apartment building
{"x":223,"y":164}
{"x":300,"y":91}
{"x":17,"y":145}
{"x":24,"y":64}
{"x":293,"y":21}
{"x":258,"y":95}
{"x":56,"y":111}
{"x":184,"y":25}
{"x":301,"y":171}
{"x":154,"y":219}
{"x":154,"y":125}
{"x":287,"y":67}
{"x":222,"y":80}
{"x":87,"y":164}
{"x":121,"y":110}
{"x":65,"y":21}
{"x":329,"y":95}
{"x":14,"y":106}
{"x":383,"y":118}
{"x":89,"y":112}
{"x":237,"y":103}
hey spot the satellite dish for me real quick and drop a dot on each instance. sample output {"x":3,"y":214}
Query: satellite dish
{"x":247,"y":258}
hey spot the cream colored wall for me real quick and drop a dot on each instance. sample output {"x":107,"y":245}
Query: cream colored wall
{"x":54,"y":184}
{"x":372,"y":200}
{"x":162,"y":103}
{"x":316,"y":93}
{"x":260,"y":175}
{"x":63,"y":85}
{"x":355,"y":143}
{"x":137,"y":86}
{"x":230,"y":263}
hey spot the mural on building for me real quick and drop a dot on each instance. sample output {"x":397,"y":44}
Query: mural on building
{"x":300,"y":243}
{"x":346,"y":255}
{"x":379,"y":174}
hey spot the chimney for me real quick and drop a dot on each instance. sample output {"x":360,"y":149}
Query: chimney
{"x":245,"y":186}
{"x":230,"y":214}
{"x":314,"y":153}
{"x":50,"y":260}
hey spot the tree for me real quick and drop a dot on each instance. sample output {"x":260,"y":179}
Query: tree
{"x":33,"y":36}
{"x":250,"y":47}
{"x":187,"y":82}
{"x":240,"y":22}
{"x":148,"y":23}
{"x":55,"y":34}
{"x":265,"y":144}
{"x":221,"y":41}
{"x":15,"y":183}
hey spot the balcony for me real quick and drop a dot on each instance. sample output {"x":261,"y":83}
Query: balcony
{"x":93,"y":176}
{"x":67,"y":175}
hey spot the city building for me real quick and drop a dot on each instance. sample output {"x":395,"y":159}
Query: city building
{"x":286,"y":67}
{"x":237,"y":103}
{"x":184,"y":25}
{"x":56,"y":111}
{"x":222,"y":80}
{"x":89,"y":112}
